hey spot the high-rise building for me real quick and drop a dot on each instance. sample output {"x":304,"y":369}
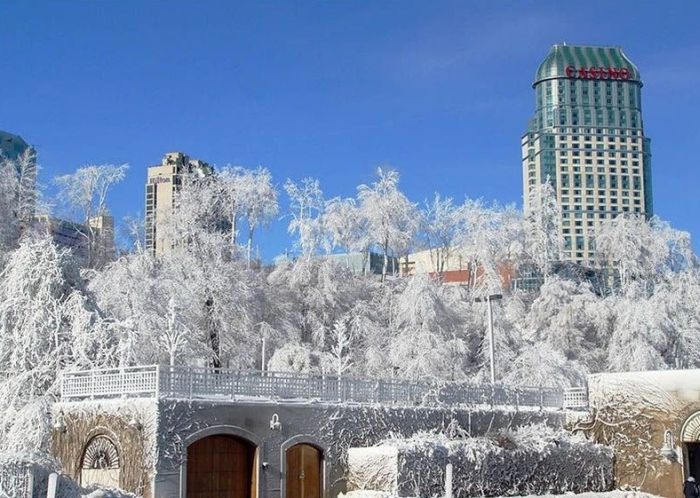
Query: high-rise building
{"x":12,"y":146}
{"x":23,"y":156}
{"x":587,"y":139}
{"x":163,"y":182}
{"x":92,"y":245}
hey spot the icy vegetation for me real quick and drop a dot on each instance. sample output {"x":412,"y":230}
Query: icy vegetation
{"x":532,"y":459}
{"x":606,"y":494}
{"x":209,"y":301}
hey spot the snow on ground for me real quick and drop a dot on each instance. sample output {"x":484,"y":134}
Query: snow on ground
{"x":609,"y":494}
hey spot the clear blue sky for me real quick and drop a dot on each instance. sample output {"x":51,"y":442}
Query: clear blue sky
{"x":331,"y":89}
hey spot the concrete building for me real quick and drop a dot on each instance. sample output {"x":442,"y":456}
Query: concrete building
{"x":458,"y":269}
{"x":163,"y":182}
{"x":587,"y":139}
{"x":77,"y":238}
{"x":177,"y":432}
{"x":370,"y":263}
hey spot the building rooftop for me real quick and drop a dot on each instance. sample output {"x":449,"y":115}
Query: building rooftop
{"x":11,"y":146}
{"x":562,"y":56}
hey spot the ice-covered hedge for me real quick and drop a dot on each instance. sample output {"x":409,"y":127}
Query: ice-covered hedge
{"x":529,"y":460}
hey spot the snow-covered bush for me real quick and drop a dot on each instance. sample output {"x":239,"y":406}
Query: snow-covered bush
{"x":533,"y":459}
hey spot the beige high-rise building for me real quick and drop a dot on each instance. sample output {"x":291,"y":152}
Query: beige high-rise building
{"x":587,"y":139}
{"x":163,"y":182}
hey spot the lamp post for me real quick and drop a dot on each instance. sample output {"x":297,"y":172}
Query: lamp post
{"x":492,"y":347}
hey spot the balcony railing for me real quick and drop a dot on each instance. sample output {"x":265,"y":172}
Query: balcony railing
{"x":220,"y":384}
{"x":16,"y":480}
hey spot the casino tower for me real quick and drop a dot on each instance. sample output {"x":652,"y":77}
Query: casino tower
{"x":587,"y":139}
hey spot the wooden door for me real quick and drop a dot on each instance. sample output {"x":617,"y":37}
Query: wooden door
{"x":304,"y":472}
{"x":220,"y":467}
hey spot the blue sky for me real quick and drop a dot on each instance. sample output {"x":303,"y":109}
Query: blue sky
{"x":332,"y":89}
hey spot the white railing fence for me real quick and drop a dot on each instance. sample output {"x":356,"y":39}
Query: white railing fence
{"x":16,"y":480}
{"x":209,"y":383}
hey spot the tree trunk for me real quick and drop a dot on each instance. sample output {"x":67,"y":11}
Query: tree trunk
{"x":385,"y":266}
{"x":214,"y":340}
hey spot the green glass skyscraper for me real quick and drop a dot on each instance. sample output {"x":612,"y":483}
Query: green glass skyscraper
{"x":587,"y":139}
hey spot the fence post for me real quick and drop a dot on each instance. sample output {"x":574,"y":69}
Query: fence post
{"x":53,"y":485}
{"x":448,"y":480}
{"x":541,"y":398}
{"x":157,"y":390}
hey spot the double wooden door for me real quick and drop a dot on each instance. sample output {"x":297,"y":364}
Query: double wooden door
{"x":304,"y":476}
{"x":221,"y":467}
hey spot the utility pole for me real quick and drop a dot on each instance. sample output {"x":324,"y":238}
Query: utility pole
{"x":262,"y":361}
{"x":492,"y":345}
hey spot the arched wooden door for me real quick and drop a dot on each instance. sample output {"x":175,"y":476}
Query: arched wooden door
{"x":221,"y":467}
{"x":304,"y":476}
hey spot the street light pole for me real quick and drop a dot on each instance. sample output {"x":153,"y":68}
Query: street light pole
{"x":492,"y":348}
{"x":492,"y":344}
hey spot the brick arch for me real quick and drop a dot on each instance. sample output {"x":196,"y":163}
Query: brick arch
{"x":690,"y":431}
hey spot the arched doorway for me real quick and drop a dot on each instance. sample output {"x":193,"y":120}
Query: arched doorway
{"x":221,"y":466}
{"x":100,"y":463}
{"x":690,"y":438}
{"x":304,"y":472}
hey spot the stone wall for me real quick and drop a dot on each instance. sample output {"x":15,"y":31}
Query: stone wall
{"x":152,"y":436}
{"x":632,"y":412}
{"x":333,"y":428}
{"x":130,"y":424}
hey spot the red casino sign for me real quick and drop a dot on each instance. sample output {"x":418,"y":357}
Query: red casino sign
{"x":598,"y":73}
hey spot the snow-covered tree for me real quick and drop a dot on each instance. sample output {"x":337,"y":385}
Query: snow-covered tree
{"x":259,"y":198}
{"x":392,"y":219}
{"x":347,"y":227}
{"x":306,"y":203}
{"x":422,"y":327}
{"x":18,"y":196}
{"x":84,"y":192}
{"x":490,"y":243}
{"x":443,"y":221}
{"x":542,"y":229}
{"x":47,"y":323}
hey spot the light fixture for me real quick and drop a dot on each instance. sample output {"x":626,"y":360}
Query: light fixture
{"x":59,"y":423}
{"x":135,"y":424}
{"x":275,"y":423}
{"x":668,"y":450}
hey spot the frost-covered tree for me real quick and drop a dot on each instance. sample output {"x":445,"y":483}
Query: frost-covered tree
{"x":643,"y":251}
{"x":392,"y":219}
{"x":84,"y":193}
{"x":259,"y":199}
{"x":541,"y":365}
{"x":542,"y":229}
{"x":490,"y":243}
{"x":338,"y":360}
{"x":422,"y":327}
{"x":569,"y":318}
{"x":638,"y":341}
{"x":346,"y":227}
{"x":18,"y":196}
{"x":47,"y":324}
{"x":248,"y":194}
{"x":443,"y":222}
{"x":292,"y":357}
{"x":306,"y":204}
